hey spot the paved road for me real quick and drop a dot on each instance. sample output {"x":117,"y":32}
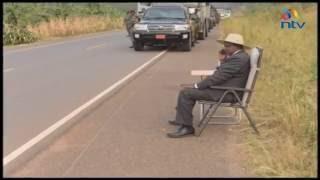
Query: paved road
{"x":126,"y":135}
{"x":45,"y":82}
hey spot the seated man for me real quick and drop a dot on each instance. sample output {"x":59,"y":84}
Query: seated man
{"x":233,"y":72}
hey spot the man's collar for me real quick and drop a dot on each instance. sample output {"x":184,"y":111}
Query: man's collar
{"x":236,"y":52}
{"x":227,"y":59}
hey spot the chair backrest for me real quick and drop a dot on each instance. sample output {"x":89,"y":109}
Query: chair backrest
{"x":255,"y":64}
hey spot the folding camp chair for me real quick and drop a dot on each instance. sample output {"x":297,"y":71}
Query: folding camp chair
{"x":241,"y":102}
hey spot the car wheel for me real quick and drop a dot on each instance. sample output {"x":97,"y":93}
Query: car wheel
{"x":202,"y":34}
{"x":138,"y":46}
{"x":187,"y":46}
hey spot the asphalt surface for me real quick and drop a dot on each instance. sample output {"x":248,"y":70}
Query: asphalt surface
{"x":45,"y":82}
{"x":126,"y":135}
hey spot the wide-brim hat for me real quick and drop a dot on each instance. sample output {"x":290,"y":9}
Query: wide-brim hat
{"x":235,"y":39}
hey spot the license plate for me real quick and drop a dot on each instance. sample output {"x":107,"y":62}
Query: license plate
{"x":160,"y":36}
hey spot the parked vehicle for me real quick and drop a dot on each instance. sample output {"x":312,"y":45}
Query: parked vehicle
{"x":214,"y":17}
{"x":204,"y":13}
{"x":224,"y":13}
{"x":164,"y":25}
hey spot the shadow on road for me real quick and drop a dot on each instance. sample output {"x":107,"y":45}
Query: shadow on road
{"x":161,"y":48}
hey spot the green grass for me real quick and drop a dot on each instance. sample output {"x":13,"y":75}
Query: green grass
{"x":285,"y":93}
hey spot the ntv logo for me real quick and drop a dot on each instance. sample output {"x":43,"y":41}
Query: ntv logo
{"x":287,"y":15}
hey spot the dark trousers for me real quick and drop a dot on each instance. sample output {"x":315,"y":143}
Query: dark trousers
{"x":131,"y":34}
{"x":187,"y":98}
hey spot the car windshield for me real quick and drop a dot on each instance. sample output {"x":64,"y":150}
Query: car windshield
{"x":164,"y":13}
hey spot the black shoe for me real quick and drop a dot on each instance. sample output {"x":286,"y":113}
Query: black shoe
{"x":173,"y":122}
{"x":131,"y":47}
{"x":182,"y":131}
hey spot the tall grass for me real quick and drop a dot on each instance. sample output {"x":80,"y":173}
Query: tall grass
{"x":74,"y":26}
{"x":284,"y":101}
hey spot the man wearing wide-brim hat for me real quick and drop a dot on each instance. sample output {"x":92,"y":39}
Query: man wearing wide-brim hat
{"x":235,"y":39}
{"x":233,"y":72}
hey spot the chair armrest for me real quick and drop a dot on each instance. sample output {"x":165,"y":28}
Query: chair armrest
{"x":231,"y":88}
{"x":202,"y":72}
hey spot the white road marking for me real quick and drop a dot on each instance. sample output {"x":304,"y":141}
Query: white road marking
{"x":54,"y":44}
{"x":8,"y":70}
{"x":94,"y":47}
{"x":13,"y":155}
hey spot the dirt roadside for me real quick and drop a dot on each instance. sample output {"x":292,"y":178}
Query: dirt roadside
{"x":126,"y":135}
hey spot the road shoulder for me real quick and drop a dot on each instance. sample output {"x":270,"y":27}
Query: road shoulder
{"x":126,"y":135}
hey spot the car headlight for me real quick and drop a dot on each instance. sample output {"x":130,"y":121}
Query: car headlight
{"x":141,"y":27}
{"x":182,"y":27}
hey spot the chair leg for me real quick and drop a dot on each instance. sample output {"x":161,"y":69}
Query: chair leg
{"x":204,"y":121}
{"x":250,"y":120}
{"x":200,"y":127}
{"x":237,"y":114}
{"x":201,"y":110}
{"x":235,"y":118}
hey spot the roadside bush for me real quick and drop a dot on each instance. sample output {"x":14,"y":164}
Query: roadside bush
{"x":19,"y":18}
{"x":17,"y":35}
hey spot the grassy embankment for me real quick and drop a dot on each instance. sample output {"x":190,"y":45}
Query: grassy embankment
{"x":30,"y":22}
{"x":284,"y":102}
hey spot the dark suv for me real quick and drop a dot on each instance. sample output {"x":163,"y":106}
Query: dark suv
{"x":163,"y":25}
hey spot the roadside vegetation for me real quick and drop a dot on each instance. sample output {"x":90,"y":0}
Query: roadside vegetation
{"x":29,"y":22}
{"x":284,"y":101}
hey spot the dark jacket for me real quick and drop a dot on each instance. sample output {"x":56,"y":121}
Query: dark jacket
{"x":233,"y":72}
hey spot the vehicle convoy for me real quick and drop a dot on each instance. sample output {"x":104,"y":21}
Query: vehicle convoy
{"x":204,"y":14}
{"x":164,"y":24}
{"x":214,"y":17}
{"x":224,"y":13}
